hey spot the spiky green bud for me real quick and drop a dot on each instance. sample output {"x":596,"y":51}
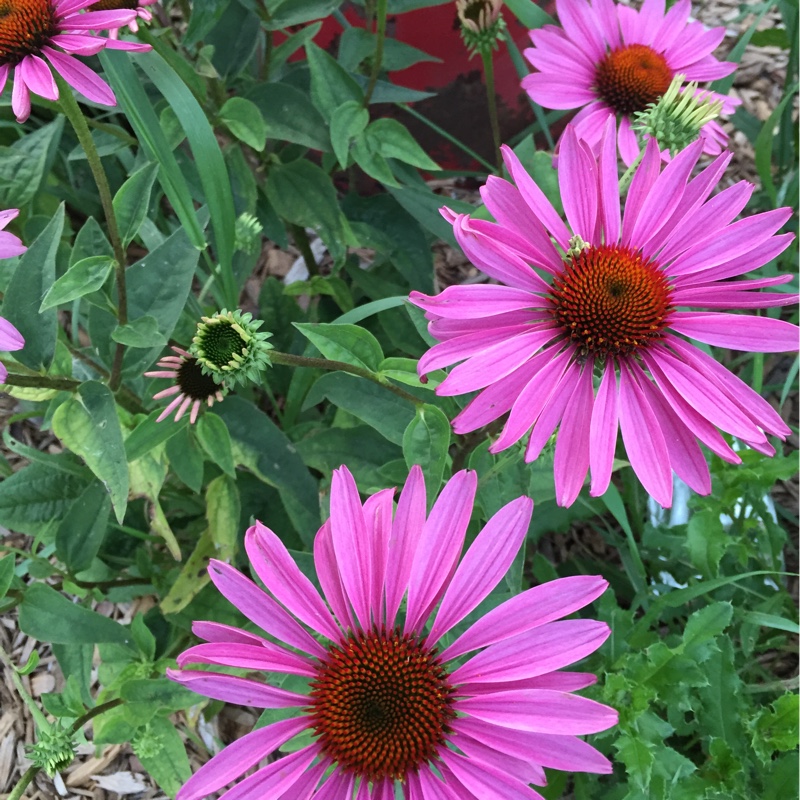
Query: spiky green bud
{"x":229,"y":347}
{"x":54,"y":749}
{"x":676,"y":119}
{"x":482,"y":24}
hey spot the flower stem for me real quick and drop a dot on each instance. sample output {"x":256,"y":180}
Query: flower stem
{"x":276,"y":357}
{"x":627,"y":177}
{"x":72,"y":111}
{"x":42,"y":382}
{"x":377,"y":59}
{"x":23,"y":783}
{"x":491,"y":97}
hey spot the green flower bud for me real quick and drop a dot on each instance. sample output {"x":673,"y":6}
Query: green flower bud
{"x":54,"y":749}
{"x":482,"y":25}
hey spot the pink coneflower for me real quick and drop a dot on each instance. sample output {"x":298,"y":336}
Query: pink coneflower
{"x":191,"y":388}
{"x":387,"y":702}
{"x":595,"y":341}
{"x":30,"y":32}
{"x":10,"y":246}
{"x":609,"y":60}
{"x":132,"y":5}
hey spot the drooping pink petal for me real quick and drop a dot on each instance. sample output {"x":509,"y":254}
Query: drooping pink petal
{"x":484,"y":781}
{"x":80,"y":77}
{"x":484,"y":565}
{"x":10,"y":337}
{"x":241,"y":691}
{"x":238,"y":757}
{"x":578,"y":184}
{"x":439,"y":547}
{"x":736,"y":331}
{"x":609,"y":185}
{"x":36,"y":74}
{"x":641,"y":185}
{"x":378,"y":516}
{"x":603,"y":431}
{"x":20,"y":97}
{"x":266,"y":658}
{"x":270,"y":782}
{"x":572,"y":446}
{"x":528,"y":610}
{"x":329,"y":577}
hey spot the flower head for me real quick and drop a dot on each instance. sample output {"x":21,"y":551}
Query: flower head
{"x":192,"y":386}
{"x":482,"y":25}
{"x":591,"y":338}
{"x":138,"y":6}
{"x":389,"y":699}
{"x":612,"y":61}
{"x":10,"y":246}
{"x":676,"y":119}
{"x":229,"y":347}
{"x":34,"y":32}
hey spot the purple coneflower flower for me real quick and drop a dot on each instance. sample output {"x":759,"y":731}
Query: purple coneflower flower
{"x":30,"y":32}
{"x":595,"y":342}
{"x":401,"y":698}
{"x":609,"y":60}
{"x":10,"y":246}
{"x":137,"y":6}
{"x":191,"y":387}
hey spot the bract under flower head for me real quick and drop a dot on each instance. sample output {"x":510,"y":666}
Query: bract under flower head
{"x":611,"y":61}
{"x":191,"y":388}
{"x":388,"y":706}
{"x":34,"y":32}
{"x":229,"y":347}
{"x":597,"y":346}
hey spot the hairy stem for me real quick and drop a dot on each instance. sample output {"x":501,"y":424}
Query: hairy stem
{"x":69,"y":105}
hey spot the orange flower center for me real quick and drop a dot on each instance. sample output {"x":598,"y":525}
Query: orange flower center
{"x":630,"y":78}
{"x":611,"y":301}
{"x":25,"y":27}
{"x":381,"y":704}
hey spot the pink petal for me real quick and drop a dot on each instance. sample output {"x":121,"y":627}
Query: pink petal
{"x":266,"y":658}
{"x":628,"y":143}
{"x":259,"y":607}
{"x":536,"y":652}
{"x":540,"y":711}
{"x":378,"y":516}
{"x":572,"y":446}
{"x":20,"y":97}
{"x":330,"y":578}
{"x":609,"y":184}
{"x":36,"y":74}
{"x":79,"y":44}
{"x":581,"y":25}
{"x":239,"y":756}
{"x":466,"y":302}
{"x":643,"y":180}
{"x":98,"y":20}
{"x":439,"y":547}
{"x":737,"y":331}
{"x":241,"y":691}
{"x":281,"y":575}
{"x":218,"y":632}
{"x":549,"y":92}
{"x":272,"y":781}
{"x":578,"y":184}
{"x":644,"y":440}
{"x":352,"y":545}
{"x":485,"y":782}
{"x":407,"y":527}
{"x":80,"y":77}
{"x":10,"y":337}
{"x":528,"y":610}
{"x":603,"y":431}
{"x":484,"y":565}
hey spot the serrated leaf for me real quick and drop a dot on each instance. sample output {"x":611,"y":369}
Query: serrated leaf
{"x":86,"y":276}
{"x":132,"y":200}
{"x":706,"y":541}
{"x":87,"y":423}
{"x":348,"y":343}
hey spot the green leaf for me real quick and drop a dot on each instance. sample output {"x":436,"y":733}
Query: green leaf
{"x":426,"y":442}
{"x":356,"y":44}
{"x":638,"y":758}
{"x":721,"y":697}
{"x":25,"y":165}
{"x":391,"y":139}
{"x":243,"y":119}
{"x":295,"y":12}
{"x":35,"y":498}
{"x":529,"y":14}
{"x":142,"y":332}
{"x":87,"y":423}
{"x":706,"y":624}
{"x":331,"y":85}
{"x":48,"y":616}
{"x":205,"y":150}
{"x":706,"y":541}
{"x":772,"y":621}
{"x":143,"y":637}
{"x":6,"y":573}
{"x":216,"y":441}
{"x":348,"y":343}
{"x":372,"y":162}
{"x":84,"y":277}
{"x":265,"y":450}
{"x":289,"y":115}
{"x":348,"y":121}
{"x":302,"y":193}
{"x":424,"y":206}
{"x":205,"y":15}
{"x":35,"y":274}
{"x":83,"y":528}
{"x":389,"y":414}
{"x":132,"y":201}
{"x":192,"y":577}
{"x":186,"y":458}
{"x":160,"y":749}
{"x":223,"y":508}
{"x":139,"y":112}
{"x":149,"y":434}
{"x":764,"y":142}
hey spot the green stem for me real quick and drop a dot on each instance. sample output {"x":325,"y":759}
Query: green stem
{"x":627,"y":177}
{"x":491,"y":97}
{"x":304,"y":246}
{"x":23,"y":783}
{"x":377,"y":59}
{"x":42,"y":382}
{"x":323,"y":363}
{"x":72,"y":111}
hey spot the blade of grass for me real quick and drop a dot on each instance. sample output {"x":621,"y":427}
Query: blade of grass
{"x":139,"y":111}
{"x":205,"y":149}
